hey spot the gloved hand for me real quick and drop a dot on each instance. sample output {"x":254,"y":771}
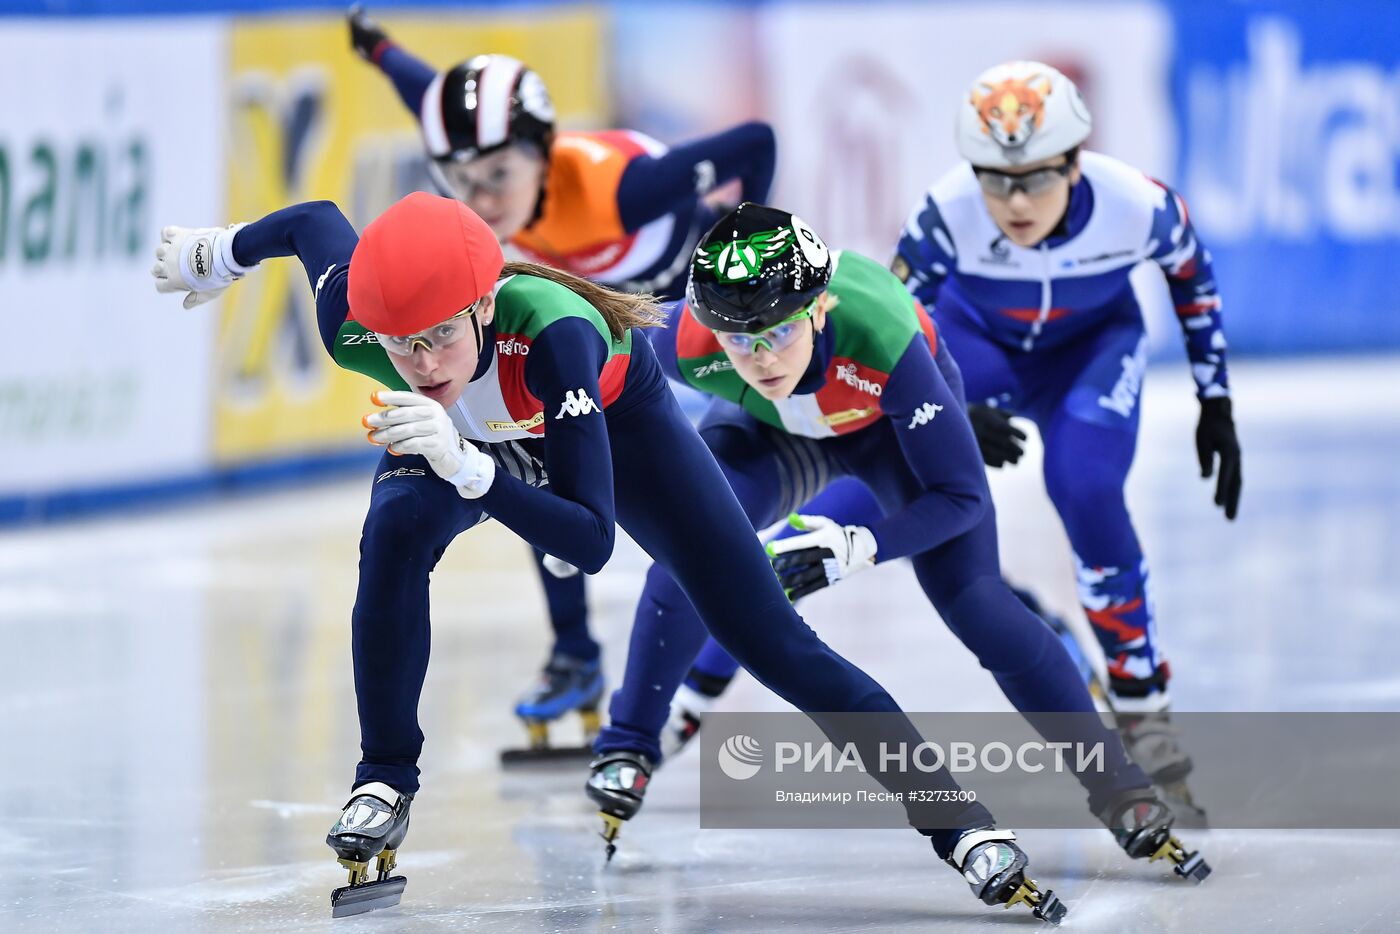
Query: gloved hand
{"x":826,"y":554}
{"x":998,"y":439}
{"x":414,"y":424}
{"x":558,"y":567}
{"x":1215,"y":435}
{"x":366,"y":36}
{"x":197,"y":260}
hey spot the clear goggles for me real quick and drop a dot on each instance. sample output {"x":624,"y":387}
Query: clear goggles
{"x":1003,"y":185}
{"x":437,"y":337}
{"x":465,"y":181}
{"x":777,"y":338}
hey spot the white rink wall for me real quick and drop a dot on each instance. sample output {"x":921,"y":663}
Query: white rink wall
{"x":100,"y":383}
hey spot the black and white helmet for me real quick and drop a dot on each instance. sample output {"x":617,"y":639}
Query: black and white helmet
{"x":755,"y":267}
{"x":483,"y":104}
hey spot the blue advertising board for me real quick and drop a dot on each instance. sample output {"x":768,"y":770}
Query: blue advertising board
{"x":1288,"y":115}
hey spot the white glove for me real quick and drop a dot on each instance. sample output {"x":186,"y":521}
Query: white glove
{"x":414,"y":424}
{"x":558,"y":567}
{"x":197,"y":260}
{"x":826,"y":554}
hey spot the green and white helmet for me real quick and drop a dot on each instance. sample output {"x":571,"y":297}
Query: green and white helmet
{"x":756,"y":267}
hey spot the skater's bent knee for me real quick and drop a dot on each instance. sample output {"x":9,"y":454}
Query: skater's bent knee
{"x":398,"y":519}
{"x":996,"y":626}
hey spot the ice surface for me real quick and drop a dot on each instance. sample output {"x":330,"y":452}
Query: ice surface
{"x":178,"y":724}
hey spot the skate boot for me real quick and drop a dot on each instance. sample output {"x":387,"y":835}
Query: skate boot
{"x":995,"y":867}
{"x":688,"y":708}
{"x":372,"y":827}
{"x":617,"y":785}
{"x":1154,"y":743}
{"x":566,"y":684}
{"x":1142,"y":825}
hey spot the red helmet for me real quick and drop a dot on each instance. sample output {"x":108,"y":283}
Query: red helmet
{"x":421,"y":262}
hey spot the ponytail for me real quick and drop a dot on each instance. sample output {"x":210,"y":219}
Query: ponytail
{"x":620,"y":310}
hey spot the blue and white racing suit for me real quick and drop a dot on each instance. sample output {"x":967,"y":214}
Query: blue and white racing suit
{"x":1055,"y":333}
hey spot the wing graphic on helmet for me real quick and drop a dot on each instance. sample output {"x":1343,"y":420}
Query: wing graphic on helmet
{"x":743,"y":259}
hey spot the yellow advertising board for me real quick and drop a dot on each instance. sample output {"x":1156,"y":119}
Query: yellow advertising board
{"x":308,"y":120}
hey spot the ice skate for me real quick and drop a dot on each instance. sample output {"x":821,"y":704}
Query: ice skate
{"x":372,"y":827}
{"x":688,"y":709}
{"x":1154,"y":743}
{"x":995,"y":867}
{"x":1142,"y":825}
{"x":617,"y":784}
{"x":566,"y":684}
{"x":1149,"y":736}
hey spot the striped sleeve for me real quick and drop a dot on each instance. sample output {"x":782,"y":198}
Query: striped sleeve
{"x":1186,"y":264}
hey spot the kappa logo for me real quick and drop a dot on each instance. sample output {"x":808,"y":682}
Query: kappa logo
{"x":577,"y":402}
{"x":713,"y":367}
{"x":846,"y":373}
{"x":924,"y":414}
{"x":322,"y":281}
{"x":401,"y":472}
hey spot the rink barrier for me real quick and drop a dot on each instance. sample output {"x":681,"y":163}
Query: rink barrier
{"x":186,"y":489}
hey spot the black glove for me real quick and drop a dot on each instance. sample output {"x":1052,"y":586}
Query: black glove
{"x":1215,"y":434}
{"x":366,"y":36}
{"x":999,"y":440}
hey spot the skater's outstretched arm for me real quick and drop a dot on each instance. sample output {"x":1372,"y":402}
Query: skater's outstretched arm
{"x":205,"y":261}
{"x":654,"y":186}
{"x":411,"y":76}
{"x":318,"y":234}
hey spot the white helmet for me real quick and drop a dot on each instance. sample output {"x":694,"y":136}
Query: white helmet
{"x":1020,"y":112}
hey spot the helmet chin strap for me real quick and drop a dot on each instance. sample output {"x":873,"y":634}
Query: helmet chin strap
{"x":477,"y":331}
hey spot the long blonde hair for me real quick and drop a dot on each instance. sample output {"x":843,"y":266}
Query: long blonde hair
{"x":619,"y":309}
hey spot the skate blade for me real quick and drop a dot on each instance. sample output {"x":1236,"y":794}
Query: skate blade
{"x":1194,"y":867}
{"x":1044,"y":905}
{"x":546,"y":754}
{"x":1191,"y":866}
{"x":612,"y":826}
{"x":369,"y":896}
